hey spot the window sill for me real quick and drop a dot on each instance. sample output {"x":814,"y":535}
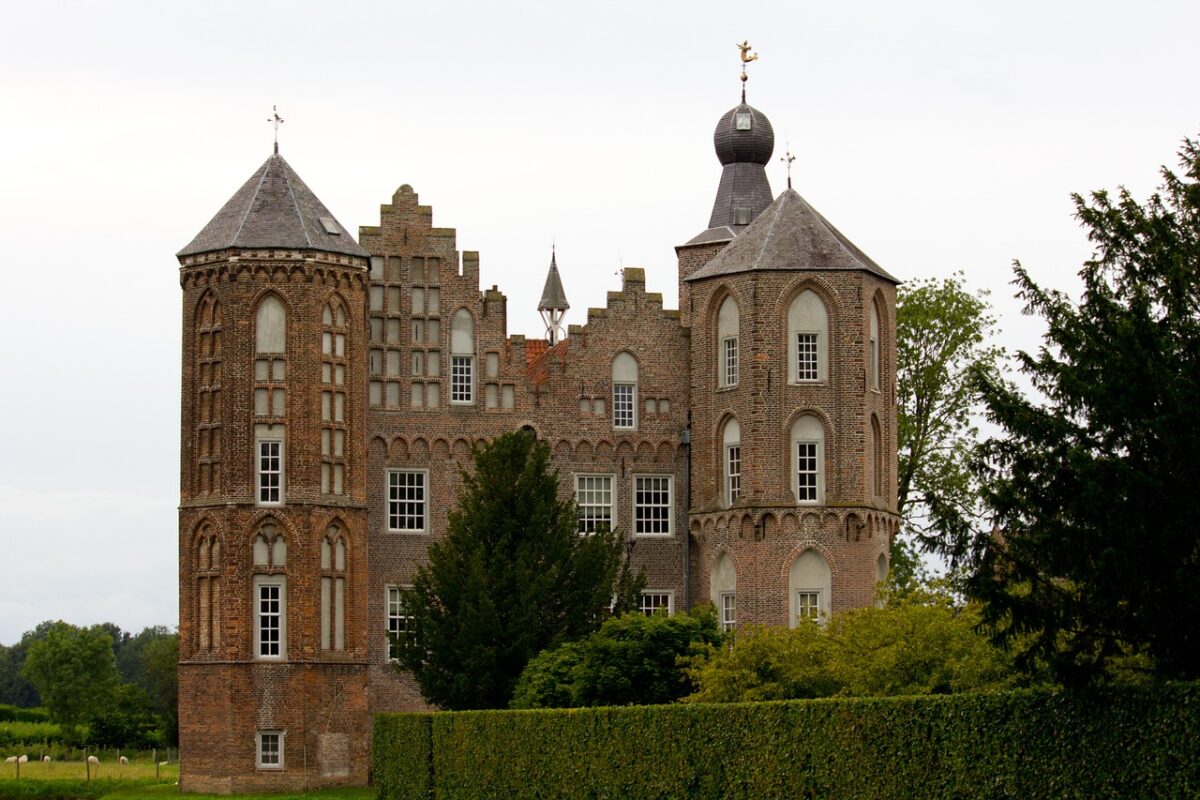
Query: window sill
{"x":407,"y":531}
{"x":654,"y":535}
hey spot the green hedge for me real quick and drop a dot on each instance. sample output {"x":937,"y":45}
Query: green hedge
{"x":1128,"y":742}
{"x":18,"y":714}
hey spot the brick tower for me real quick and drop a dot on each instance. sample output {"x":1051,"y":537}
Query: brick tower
{"x":792,"y":401}
{"x":272,"y":520}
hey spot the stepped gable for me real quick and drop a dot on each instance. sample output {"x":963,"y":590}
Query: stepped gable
{"x":274,"y":209}
{"x":790,"y":235}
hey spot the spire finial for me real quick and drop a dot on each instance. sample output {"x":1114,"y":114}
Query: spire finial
{"x":787,"y":159}
{"x":747,"y":57}
{"x":275,"y":120}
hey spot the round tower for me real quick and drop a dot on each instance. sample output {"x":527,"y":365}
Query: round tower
{"x":272,"y":522}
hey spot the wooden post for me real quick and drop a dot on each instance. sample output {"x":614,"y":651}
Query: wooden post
{"x":154,"y":755}
{"x":87,"y":765}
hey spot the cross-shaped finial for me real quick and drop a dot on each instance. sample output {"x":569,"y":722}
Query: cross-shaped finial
{"x":275,"y":120}
{"x":787,"y":159}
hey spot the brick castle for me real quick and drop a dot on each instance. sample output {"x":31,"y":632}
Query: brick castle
{"x":332,"y":390}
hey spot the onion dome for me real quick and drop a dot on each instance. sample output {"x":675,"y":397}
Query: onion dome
{"x":744,"y":135}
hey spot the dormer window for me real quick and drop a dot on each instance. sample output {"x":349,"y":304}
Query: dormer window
{"x":743,"y":121}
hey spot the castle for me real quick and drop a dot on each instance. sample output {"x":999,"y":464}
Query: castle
{"x":332,"y":390}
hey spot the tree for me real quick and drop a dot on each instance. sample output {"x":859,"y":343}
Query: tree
{"x":632,"y":660}
{"x":942,"y":335}
{"x":1094,"y":556}
{"x":512,"y":577}
{"x":14,"y":688}
{"x":125,"y":720}
{"x":160,"y":659}
{"x":921,"y":643}
{"x":73,"y":670}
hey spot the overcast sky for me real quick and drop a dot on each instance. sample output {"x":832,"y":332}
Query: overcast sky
{"x":937,"y":136}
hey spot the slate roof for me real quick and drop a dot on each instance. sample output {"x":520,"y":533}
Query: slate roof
{"x":553,"y":295}
{"x":789,"y":235}
{"x":275,"y":208}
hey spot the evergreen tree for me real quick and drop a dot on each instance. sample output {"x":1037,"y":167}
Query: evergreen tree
{"x":512,"y":577}
{"x":1094,"y":553}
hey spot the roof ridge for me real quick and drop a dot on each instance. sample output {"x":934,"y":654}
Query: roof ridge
{"x":295,"y":205}
{"x":266,"y":167}
{"x":770,"y":233}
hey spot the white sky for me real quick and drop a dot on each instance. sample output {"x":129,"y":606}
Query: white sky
{"x":937,"y":136}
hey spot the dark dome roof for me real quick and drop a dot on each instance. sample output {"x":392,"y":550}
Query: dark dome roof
{"x":752,"y":146}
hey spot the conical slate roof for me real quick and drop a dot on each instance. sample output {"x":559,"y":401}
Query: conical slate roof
{"x":274,"y":209}
{"x":553,"y":295}
{"x":789,"y":235}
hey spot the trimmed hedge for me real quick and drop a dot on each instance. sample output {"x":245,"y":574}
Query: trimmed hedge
{"x":18,"y":714}
{"x":1122,"y":742}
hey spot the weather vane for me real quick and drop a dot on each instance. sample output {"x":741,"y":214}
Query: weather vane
{"x":747,"y":57}
{"x":275,"y":120}
{"x":787,"y":159}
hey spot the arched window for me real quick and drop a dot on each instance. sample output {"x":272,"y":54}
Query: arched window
{"x":269,"y":602}
{"x":333,"y":398}
{"x":731,"y":456}
{"x":624,"y":388}
{"x":207,"y":376}
{"x":462,"y":358}
{"x":809,"y":587}
{"x":270,"y":374}
{"x":808,"y":339}
{"x":208,"y":591}
{"x":333,"y":590}
{"x":727,"y":343}
{"x":808,"y":460}
{"x":876,"y":457}
{"x":724,"y":591}
{"x":874,"y":348}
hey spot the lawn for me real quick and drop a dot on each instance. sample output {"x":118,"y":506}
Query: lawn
{"x":138,"y":771}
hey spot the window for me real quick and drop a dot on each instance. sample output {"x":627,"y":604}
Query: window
{"x":270,"y":472}
{"x":809,"y":584}
{"x":406,"y":501}
{"x":624,"y":391}
{"x":462,"y":358}
{"x":732,"y":455}
{"x":270,"y":364}
{"x":808,"y":468}
{"x":656,"y":601}
{"x":808,"y":339}
{"x":207,"y":413}
{"x":333,"y":397}
{"x":208,"y":591}
{"x":594,"y":496}
{"x":399,"y":623}
{"x":808,"y":606}
{"x":727,"y":334}
{"x":333,"y":590}
{"x":270,"y":621}
{"x":728,"y":609}
{"x":874,"y":354}
{"x":270,"y":749}
{"x":877,"y":456}
{"x":652,"y":505}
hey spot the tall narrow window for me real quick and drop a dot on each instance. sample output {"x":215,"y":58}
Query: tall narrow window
{"x":652,"y":505}
{"x":594,"y":496}
{"x":400,"y":629}
{"x":727,"y":335}
{"x":877,"y":456}
{"x":334,"y":422}
{"x":207,"y":379}
{"x":406,"y":501}
{"x":208,"y":591}
{"x":462,"y":358}
{"x":333,"y":590}
{"x":270,"y":472}
{"x":874,"y":348}
{"x":624,"y":387}
{"x":270,"y":363}
{"x":723,"y":591}
{"x":728,"y":609}
{"x":269,"y":555}
{"x":808,"y":339}
{"x":732,"y":454}
{"x":808,"y":454}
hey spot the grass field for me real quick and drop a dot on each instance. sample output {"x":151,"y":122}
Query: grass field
{"x":109,"y":789}
{"x":108,"y":768}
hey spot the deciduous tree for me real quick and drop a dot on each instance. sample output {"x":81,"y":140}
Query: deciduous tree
{"x":73,"y":670}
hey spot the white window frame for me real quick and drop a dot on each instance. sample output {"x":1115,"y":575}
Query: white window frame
{"x":637,"y":506}
{"x":729,"y":361}
{"x":624,"y":413}
{"x":817,"y":614}
{"x":394,"y":610}
{"x":397,"y":516}
{"x":278,"y":582}
{"x":260,"y":473}
{"x":814,"y":472}
{"x":648,"y":607}
{"x":727,"y":609}
{"x":589,"y":524}
{"x":258,"y":750}
{"x":808,"y":371}
{"x":462,"y":380}
{"x":733,"y":480}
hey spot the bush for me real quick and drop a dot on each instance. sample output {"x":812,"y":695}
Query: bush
{"x":15,"y":714}
{"x":1115,"y":742}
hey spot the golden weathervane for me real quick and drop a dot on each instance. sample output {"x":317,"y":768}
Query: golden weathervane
{"x":747,"y":57}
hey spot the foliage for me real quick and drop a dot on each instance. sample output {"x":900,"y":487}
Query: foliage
{"x":14,"y":688}
{"x":1093,"y":556}
{"x":15,"y":714}
{"x":125,"y":720}
{"x":402,"y":755}
{"x":942,"y":335}
{"x":28,"y":733}
{"x":1127,"y":742}
{"x":511,"y":578}
{"x":73,"y":670}
{"x":160,"y":658}
{"x":919,"y":644}
{"x":632,"y":659}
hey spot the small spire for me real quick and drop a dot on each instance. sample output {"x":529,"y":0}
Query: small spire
{"x":275,"y":120}
{"x":747,"y":57}
{"x":787,"y":159}
{"x":553,"y":306}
